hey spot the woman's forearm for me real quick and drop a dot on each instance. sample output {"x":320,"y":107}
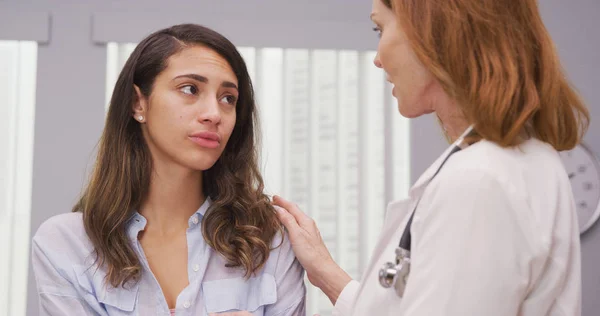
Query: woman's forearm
{"x":331,"y":279}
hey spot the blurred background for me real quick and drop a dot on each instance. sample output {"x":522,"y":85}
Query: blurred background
{"x":333,"y":141}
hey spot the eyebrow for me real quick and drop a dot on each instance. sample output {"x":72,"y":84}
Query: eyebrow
{"x":372,"y":15}
{"x":225,"y":84}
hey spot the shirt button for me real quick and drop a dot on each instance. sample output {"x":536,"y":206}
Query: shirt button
{"x":195,"y":219}
{"x":196,"y":268}
{"x":186,"y":304}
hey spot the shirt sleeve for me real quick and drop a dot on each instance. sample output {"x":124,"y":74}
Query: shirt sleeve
{"x":344,"y":303}
{"x":471,"y":251}
{"x":57,"y":295}
{"x":289,"y":277}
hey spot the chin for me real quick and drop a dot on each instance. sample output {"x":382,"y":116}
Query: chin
{"x":409,"y":115}
{"x":202,"y":167}
{"x":412,"y":110}
{"x":201,"y":163}
{"x":409,"y":112}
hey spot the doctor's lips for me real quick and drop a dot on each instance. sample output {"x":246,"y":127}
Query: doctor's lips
{"x":206,"y":139}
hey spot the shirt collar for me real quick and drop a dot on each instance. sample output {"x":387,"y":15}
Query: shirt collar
{"x":421,"y":183}
{"x":137,"y":223}
{"x":204,"y":207}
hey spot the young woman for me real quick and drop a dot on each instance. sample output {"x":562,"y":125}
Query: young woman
{"x":174,"y":219}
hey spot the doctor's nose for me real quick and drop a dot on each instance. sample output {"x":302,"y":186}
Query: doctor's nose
{"x":377,"y":61}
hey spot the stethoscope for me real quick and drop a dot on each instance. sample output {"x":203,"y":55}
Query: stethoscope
{"x":396,"y":274}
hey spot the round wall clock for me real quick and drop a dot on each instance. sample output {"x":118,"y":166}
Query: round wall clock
{"x":583,"y":168}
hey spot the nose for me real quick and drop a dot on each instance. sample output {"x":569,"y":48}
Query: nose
{"x":377,"y":61}
{"x":209,"y":112}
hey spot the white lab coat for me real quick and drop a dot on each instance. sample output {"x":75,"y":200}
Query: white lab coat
{"x":495,"y":234}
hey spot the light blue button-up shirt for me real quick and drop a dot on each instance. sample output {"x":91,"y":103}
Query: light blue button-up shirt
{"x":69,"y":284}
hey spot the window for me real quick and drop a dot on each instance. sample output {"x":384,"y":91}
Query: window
{"x":332,"y":142}
{"x":17,"y":109}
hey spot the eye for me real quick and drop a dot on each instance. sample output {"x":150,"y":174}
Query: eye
{"x":378,"y":31}
{"x":189,"y":89}
{"x":229,"y":99}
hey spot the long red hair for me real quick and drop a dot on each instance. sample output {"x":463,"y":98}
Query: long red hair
{"x":497,"y":60}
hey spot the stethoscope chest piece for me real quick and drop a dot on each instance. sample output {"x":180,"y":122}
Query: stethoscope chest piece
{"x":396,"y":274}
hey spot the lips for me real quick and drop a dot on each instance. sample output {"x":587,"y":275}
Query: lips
{"x":209,"y":140}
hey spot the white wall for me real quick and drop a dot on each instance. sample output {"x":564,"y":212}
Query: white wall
{"x":70,"y":105}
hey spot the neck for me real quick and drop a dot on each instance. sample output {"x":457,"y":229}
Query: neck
{"x":452,"y":120}
{"x":174,"y":195}
{"x":447,"y":110}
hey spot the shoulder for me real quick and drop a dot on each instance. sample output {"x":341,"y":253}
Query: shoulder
{"x":281,"y":245}
{"x":490,"y":183}
{"x":282,"y":253}
{"x":61,"y":226}
{"x":60,"y":233}
{"x":513,"y":168}
{"x":281,"y":241}
{"x":288,"y":274}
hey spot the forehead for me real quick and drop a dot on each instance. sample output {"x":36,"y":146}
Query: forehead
{"x":380,"y":11}
{"x":200,"y":60}
{"x":376,"y":6}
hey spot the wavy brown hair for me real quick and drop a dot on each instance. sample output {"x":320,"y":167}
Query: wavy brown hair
{"x":497,"y":60}
{"x":241,"y":222}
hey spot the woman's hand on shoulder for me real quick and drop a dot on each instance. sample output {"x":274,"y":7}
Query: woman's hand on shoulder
{"x":310,"y":250}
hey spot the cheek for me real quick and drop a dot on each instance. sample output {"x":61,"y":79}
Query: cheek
{"x":395,"y":59}
{"x":228,"y":124}
{"x":409,"y":68}
{"x":384,"y":52}
{"x":170,"y":118}
{"x":167,"y":120}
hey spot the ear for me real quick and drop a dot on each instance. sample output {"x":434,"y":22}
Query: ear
{"x":139,"y":106}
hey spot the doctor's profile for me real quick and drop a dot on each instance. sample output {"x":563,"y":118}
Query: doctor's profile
{"x":490,"y":228}
{"x":173,"y":220}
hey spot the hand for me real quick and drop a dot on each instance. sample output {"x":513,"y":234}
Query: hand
{"x":305,"y":238}
{"x":309,"y":248}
